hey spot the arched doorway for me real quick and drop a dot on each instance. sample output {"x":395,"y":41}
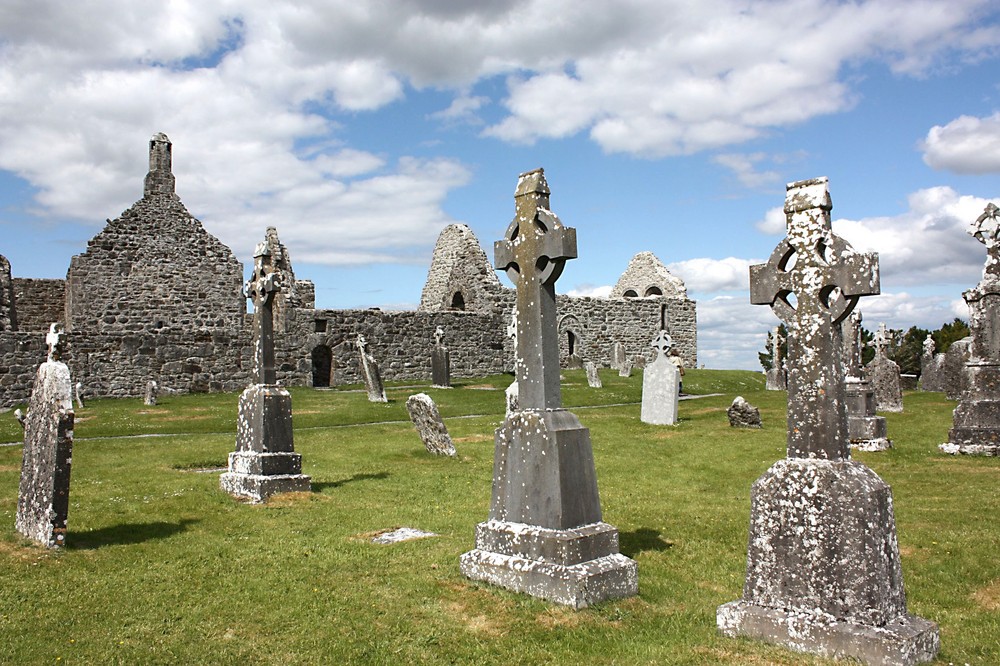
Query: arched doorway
{"x":322,"y":365}
{"x":458,"y":301}
{"x":571,"y":341}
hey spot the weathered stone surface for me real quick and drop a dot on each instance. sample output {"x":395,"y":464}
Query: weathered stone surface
{"x":647,"y":276}
{"x":8,"y":311}
{"x":626,"y":369}
{"x":660,"y":386}
{"x":742,"y":414}
{"x":370,"y":372}
{"x":823,"y":570}
{"x":865,"y":430}
{"x":976,"y":427}
{"x":883,"y":373}
{"x":43,"y":494}
{"x":618,"y":355}
{"x":440,"y":362}
{"x":777,"y":377}
{"x":430,"y":426}
{"x":151,"y":392}
{"x":545,"y":534}
{"x":79,"y":395}
{"x":593,"y":378}
{"x":954,"y":371}
{"x":511,"y":399}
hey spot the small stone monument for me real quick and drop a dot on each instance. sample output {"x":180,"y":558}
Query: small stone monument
{"x":617,"y":355}
{"x":776,"y":376}
{"x":883,"y":373}
{"x":265,"y":462}
{"x":440,"y":361}
{"x":429,"y":424}
{"x":593,"y":378}
{"x":866,"y":430}
{"x":660,"y":385}
{"x":823,"y":571}
{"x":510,"y":397}
{"x":626,"y":369}
{"x":370,"y":372}
{"x":150,"y":398}
{"x":742,"y":414}
{"x":79,"y":395}
{"x":43,"y":495}
{"x":545,"y":535}
{"x":955,"y":368}
{"x":976,"y":426}
{"x":930,"y":367}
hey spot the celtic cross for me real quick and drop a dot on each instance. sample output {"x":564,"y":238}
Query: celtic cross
{"x":881,"y":340}
{"x":261,"y":289}
{"x":55,"y":341}
{"x":438,"y":336}
{"x":533,"y":252}
{"x":662,"y":343}
{"x":812,"y":281}
{"x":986,"y":230}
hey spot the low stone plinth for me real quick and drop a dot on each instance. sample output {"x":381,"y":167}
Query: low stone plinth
{"x":866,"y":430}
{"x":577,"y":567}
{"x":976,"y":426}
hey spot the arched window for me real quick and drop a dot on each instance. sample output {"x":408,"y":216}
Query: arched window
{"x":630,"y":293}
{"x":654,"y":291}
{"x":571,"y":341}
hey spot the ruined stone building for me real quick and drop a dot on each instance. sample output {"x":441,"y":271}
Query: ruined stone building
{"x":156,"y":297}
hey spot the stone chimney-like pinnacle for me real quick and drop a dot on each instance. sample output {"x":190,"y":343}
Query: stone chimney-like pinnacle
{"x":160,"y":179}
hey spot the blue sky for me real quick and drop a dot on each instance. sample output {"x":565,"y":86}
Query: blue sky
{"x":360,"y":129}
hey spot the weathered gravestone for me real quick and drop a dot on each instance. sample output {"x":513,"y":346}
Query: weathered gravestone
{"x":626,"y":369}
{"x":955,"y":368}
{"x":510,"y":398}
{"x":79,"y":395}
{"x":865,"y":430}
{"x":976,"y":426}
{"x":930,"y":367}
{"x":742,"y":414}
{"x":265,"y":462}
{"x":617,"y":355}
{"x":430,"y":426}
{"x":43,"y":494}
{"x":883,"y":373}
{"x":150,"y":397}
{"x":370,"y":372}
{"x":545,"y":535}
{"x":776,"y":376}
{"x":660,"y":385}
{"x":823,"y":571}
{"x":440,"y":361}
{"x":593,"y":378}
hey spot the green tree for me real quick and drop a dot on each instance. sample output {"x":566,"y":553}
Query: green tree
{"x":906,"y":349}
{"x":766,"y":357}
{"x":949,"y":333}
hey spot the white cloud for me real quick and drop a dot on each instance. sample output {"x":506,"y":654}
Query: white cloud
{"x":774,"y":222}
{"x":744,"y":167}
{"x":463,"y":109}
{"x":965,"y":145}
{"x":705,"y":275}
{"x":584,"y":290}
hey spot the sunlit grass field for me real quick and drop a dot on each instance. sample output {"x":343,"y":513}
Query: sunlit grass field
{"x":161,"y":566}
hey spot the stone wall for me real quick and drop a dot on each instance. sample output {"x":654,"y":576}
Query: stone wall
{"x":39,"y":303}
{"x":8,"y":314}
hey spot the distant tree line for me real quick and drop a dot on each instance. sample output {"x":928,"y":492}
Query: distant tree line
{"x":905,"y":348}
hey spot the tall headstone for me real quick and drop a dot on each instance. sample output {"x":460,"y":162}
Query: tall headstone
{"x":660,"y":385}
{"x":883,"y":373}
{"x":930,"y":368}
{"x":617,"y":355}
{"x":440,"y":361}
{"x":823,"y":570}
{"x":265,"y":462}
{"x":866,"y":430}
{"x":430,"y":426}
{"x":593,"y":378}
{"x":545,"y":535}
{"x":370,"y":372}
{"x":955,"y":368}
{"x":976,"y":426}
{"x":150,"y":398}
{"x":43,"y":494}
{"x":776,"y":376}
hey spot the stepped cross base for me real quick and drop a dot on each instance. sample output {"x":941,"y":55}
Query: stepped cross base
{"x":866,"y":431}
{"x":576,"y":567}
{"x":265,"y":462}
{"x":976,"y":425}
{"x":823,"y":570}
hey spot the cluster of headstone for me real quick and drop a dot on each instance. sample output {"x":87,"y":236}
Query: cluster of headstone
{"x":866,"y":430}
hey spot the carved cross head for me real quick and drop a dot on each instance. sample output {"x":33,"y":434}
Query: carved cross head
{"x":882,"y":339}
{"x":265,"y":281}
{"x":662,"y":343}
{"x":56,"y":341}
{"x":986,"y":230}
{"x":438,"y":336}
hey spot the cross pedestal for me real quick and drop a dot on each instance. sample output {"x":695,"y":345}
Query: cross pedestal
{"x":265,"y":462}
{"x":865,"y":429}
{"x":545,"y":535}
{"x":823,"y":570}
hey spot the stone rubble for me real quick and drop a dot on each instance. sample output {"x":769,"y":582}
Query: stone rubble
{"x":430,"y":426}
{"x":743,"y":415}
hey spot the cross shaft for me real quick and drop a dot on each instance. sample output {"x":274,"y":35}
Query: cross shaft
{"x":261,"y":289}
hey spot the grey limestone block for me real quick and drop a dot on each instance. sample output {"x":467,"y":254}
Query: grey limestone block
{"x":865,"y":430}
{"x":430,"y":426}
{"x":742,"y":414}
{"x":660,"y":392}
{"x":593,"y":378}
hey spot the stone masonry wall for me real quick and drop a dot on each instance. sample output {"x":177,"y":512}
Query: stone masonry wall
{"x":8,"y":313}
{"x":39,"y":303}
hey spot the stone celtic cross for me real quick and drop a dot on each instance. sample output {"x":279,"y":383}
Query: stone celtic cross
{"x":533,"y":253}
{"x":662,"y":343}
{"x":261,"y":288}
{"x":438,"y":336}
{"x":986,"y":230}
{"x":881,"y":339}
{"x":812,"y":281}
{"x":55,"y":339}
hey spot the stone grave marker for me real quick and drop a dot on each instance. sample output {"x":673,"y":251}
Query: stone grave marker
{"x":510,"y":397}
{"x":976,"y":422}
{"x":626,"y":369}
{"x":370,"y":372}
{"x":660,"y":385}
{"x":150,"y":397}
{"x":43,"y":493}
{"x":776,"y":376}
{"x":930,"y":367}
{"x":545,"y":535}
{"x":593,"y":378}
{"x":823,"y":571}
{"x":430,"y":426}
{"x":440,"y":361}
{"x":742,"y":414}
{"x":865,"y":430}
{"x":883,"y":373}
{"x":79,"y":395}
{"x":265,"y":462}
{"x":955,"y":368}
{"x":617,"y":355}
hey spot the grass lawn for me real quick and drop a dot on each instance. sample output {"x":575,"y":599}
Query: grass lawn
{"x":162,"y":567}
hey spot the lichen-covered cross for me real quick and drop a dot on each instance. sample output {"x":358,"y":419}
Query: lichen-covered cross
{"x":533,"y":253}
{"x":261,"y":288}
{"x":662,"y":343}
{"x":438,"y":336}
{"x":813,"y":280}
{"x":882,"y":339}
{"x":55,"y":339}
{"x":986,"y":230}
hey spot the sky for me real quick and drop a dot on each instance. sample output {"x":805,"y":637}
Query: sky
{"x":360,"y":129}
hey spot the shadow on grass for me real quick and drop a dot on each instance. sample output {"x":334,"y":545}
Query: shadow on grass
{"x":643,"y":539}
{"x":318,"y":487}
{"x":122,"y":535}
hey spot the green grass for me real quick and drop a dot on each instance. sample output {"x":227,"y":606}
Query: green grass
{"x":162,"y":567}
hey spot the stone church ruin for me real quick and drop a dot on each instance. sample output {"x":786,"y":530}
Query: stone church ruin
{"x":155,"y":297}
